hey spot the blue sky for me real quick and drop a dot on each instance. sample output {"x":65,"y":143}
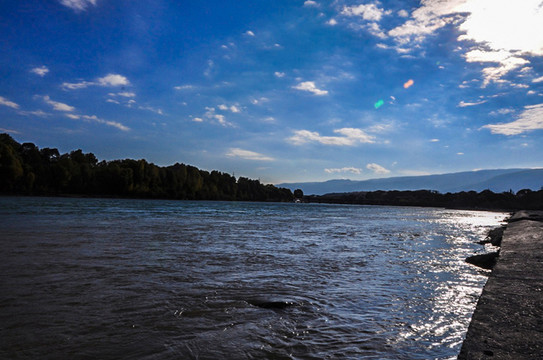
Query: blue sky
{"x":279,"y":90}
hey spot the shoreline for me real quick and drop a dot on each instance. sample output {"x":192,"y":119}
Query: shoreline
{"x":506,"y":323}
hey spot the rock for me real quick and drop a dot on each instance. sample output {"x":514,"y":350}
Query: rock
{"x":526,"y":215}
{"x":485,"y":261}
{"x":271,"y":304}
{"x":495,"y":236}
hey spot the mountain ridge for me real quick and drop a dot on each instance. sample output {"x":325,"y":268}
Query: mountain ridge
{"x":496,"y":180}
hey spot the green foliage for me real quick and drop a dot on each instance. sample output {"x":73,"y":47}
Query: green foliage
{"x":27,"y":170}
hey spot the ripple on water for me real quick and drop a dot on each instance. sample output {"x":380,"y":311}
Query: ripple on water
{"x":98,"y":278}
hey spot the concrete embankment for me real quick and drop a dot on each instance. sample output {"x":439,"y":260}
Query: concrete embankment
{"x":508,"y":320}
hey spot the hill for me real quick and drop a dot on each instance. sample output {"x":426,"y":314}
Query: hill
{"x":498,"y":180}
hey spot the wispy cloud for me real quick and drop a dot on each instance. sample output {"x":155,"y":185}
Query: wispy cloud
{"x":109,"y":80}
{"x":351,"y":170}
{"x":377,"y":169}
{"x":466,"y":104}
{"x":58,"y":106}
{"x":538,"y":80}
{"x":310,"y":87}
{"x":127,"y":94}
{"x":6,"y":102}
{"x":40,"y":71}
{"x":530,"y":119}
{"x":248,"y":155}
{"x":350,"y":137}
{"x":94,"y":118}
{"x":9,"y":131}
{"x":152,"y":109}
{"x":78,"y":5}
{"x":184,"y":87}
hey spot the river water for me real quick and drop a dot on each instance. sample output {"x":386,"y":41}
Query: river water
{"x":146,"y":279}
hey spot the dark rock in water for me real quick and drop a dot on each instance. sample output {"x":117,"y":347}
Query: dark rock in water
{"x":271,"y":304}
{"x":495,"y":236}
{"x":485,"y":261}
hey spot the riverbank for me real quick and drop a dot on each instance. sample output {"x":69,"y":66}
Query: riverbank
{"x":507,"y":323}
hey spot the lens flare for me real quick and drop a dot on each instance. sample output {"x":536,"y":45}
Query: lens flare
{"x":408,"y":84}
{"x":379,"y":103}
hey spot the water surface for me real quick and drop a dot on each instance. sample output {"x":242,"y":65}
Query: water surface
{"x":126,"y":279}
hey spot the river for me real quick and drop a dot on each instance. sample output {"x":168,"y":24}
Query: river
{"x":154,"y":279}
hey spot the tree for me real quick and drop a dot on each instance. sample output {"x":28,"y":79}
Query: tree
{"x":298,"y":193}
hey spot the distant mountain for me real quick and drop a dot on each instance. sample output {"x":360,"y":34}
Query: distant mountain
{"x":494,"y":180}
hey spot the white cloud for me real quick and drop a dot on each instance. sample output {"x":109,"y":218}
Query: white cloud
{"x":509,"y":25}
{"x":466,"y":104}
{"x":505,"y":60}
{"x":108,"y":80}
{"x":247,"y":155}
{"x":150,"y":108}
{"x":332,"y":22}
{"x":368,"y":12}
{"x":431,"y":16}
{"x":403,"y":13}
{"x":232,"y":108}
{"x":6,"y":102}
{"x":76,"y":86}
{"x":41,"y":71}
{"x":310,"y":87}
{"x":127,"y":94}
{"x":434,"y":140}
{"x":279,"y":74}
{"x":184,"y":87}
{"x":530,"y":119}
{"x":94,"y":118}
{"x":113,"y":80}
{"x":507,"y":30}
{"x":350,"y":137}
{"x":211,"y":115}
{"x":58,"y":106}
{"x":377,"y":169}
{"x":504,"y":111}
{"x":351,"y":170}
{"x":250,"y":33}
{"x":197,"y":119}
{"x":538,"y":80}
{"x":78,"y":5}
{"x":259,"y":101}
{"x":39,"y":113}
{"x":9,"y":131}
{"x":310,"y":3}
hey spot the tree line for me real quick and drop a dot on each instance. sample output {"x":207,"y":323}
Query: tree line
{"x":526,"y":199}
{"x":27,"y":170}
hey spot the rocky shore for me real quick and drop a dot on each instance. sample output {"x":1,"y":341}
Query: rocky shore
{"x":507,"y":322}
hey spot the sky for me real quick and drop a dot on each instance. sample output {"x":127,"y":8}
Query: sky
{"x":279,"y":90}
